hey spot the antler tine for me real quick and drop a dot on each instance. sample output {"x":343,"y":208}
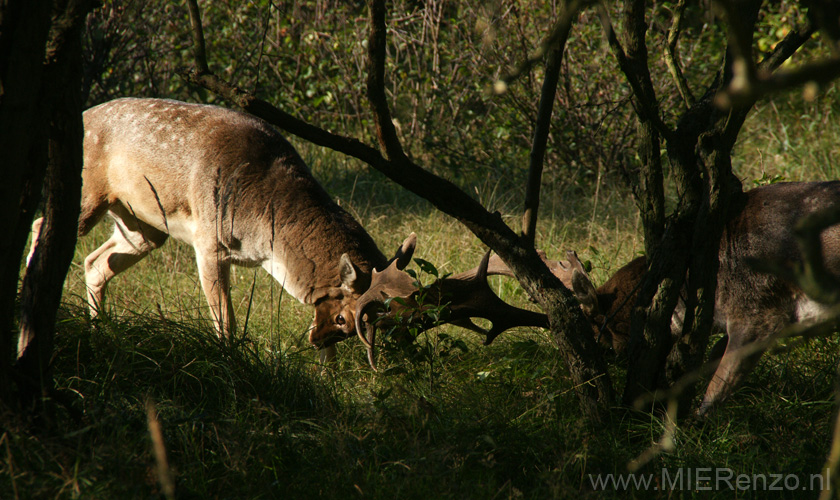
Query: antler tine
{"x":495,"y":267}
{"x":561,"y":269}
{"x":391,"y":282}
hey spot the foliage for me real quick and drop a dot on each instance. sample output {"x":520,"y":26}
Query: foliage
{"x":308,"y":58}
{"x":409,"y":334}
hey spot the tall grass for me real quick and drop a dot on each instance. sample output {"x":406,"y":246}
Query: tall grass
{"x":260,"y":419}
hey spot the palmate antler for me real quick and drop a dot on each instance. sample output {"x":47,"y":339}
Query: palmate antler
{"x":465,"y":296}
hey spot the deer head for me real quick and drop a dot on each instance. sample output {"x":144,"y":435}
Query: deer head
{"x":335,"y":310}
{"x":393,"y":292}
{"x":607,"y":307}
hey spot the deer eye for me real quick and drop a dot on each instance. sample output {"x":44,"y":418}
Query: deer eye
{"x":339,"y":320}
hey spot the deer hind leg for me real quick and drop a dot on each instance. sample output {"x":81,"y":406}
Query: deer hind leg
{"x":132,"y":240}
{"x":734,"y":366}
{"x":214,"y":272}
{"x":92,"y":210}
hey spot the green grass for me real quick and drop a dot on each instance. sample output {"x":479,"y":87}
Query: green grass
{"x":261,"y":420}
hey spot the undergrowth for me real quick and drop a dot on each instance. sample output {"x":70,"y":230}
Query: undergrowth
{"x":251,"y":421}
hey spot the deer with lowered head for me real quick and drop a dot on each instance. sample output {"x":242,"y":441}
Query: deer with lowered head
{"x":234,"y":189}
{"x":750,"y":305}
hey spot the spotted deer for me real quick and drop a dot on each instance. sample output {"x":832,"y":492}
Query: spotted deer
{"x":234,"y":189}
{"x":750,"y":305}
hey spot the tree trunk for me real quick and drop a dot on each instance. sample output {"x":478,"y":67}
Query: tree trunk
{"x":43,"y":283}
{"x":683,"y":257}
{"x":24,"y":26}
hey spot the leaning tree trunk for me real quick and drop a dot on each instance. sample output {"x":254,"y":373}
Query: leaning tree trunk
{"x":570,"y":329}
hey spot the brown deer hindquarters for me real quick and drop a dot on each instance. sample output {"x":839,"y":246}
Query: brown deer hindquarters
{"x":750,"y":305}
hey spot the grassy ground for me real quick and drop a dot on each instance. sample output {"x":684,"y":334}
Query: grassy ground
{"x":448,"y":418}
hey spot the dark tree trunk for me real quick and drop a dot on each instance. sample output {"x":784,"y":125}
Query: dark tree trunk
{"x":43,"y":283}
{"x":684,"y":256}
{"x":40,"y":124}
{"x":24,"y":27}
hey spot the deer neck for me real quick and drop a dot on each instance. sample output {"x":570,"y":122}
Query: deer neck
{"x":305,"y":246}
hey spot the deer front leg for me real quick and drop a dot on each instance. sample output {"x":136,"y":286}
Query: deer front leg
{"x":214,"y":272}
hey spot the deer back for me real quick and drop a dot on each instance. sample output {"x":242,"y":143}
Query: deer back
{"x":212,"y":176}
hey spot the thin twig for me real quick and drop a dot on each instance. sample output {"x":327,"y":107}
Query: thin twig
{"x":672,"y":55}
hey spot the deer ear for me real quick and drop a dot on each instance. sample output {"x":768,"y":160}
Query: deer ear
{"x":585,"y":293}
{"x":351,"y":276}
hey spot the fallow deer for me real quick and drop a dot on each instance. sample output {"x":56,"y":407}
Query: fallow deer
{"x":232,"y":187}
{"x":750,"y":305}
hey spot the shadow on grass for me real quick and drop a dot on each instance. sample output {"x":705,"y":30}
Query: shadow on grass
{"x":251,"y":421}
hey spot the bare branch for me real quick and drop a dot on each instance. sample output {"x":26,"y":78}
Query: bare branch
{"x":819,"y":72}
{"x":538,"y":147}
{"x":786,"y":48}
{"x":751,"y":87}
{"x":672,"y":56}
{"x":832,"y":463}
{"x":665,"y":444}
{"x":644,"y":104}
{"x":559,"y":30}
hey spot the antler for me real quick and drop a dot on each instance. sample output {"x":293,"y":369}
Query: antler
{"x":465,"y":295}
{"x":470,"y":296}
